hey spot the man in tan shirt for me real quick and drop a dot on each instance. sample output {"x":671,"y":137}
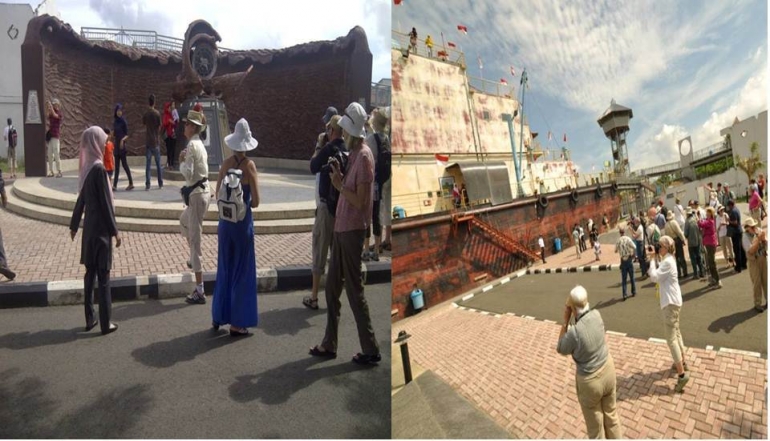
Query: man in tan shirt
{"x":195,"y":169}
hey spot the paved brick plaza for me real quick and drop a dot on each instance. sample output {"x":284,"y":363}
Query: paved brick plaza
{"x":508,"y":367}
{"x":40,"y":251}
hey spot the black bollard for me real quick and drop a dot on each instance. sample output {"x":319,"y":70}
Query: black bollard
{"x":402,"y":338}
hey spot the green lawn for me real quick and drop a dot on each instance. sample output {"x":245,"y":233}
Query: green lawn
{"x":7,"y":168}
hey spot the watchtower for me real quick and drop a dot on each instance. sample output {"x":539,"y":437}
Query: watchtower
{"x":614,"y":123}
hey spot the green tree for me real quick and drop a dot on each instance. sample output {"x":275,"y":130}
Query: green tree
{"x":752,"y":164}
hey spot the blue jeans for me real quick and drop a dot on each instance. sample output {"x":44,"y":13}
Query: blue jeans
{"x":154,"y":151}
{"x":627,"y":270}
{"x":640,"y":254}
{"x":697,"y":264}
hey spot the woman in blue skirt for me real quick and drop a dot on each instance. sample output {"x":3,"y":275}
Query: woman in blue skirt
{"x":235,"y":293}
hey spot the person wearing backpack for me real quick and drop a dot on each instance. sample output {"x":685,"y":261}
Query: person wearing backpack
{"x":235,"y":292}
{"x":379,"y":143}
{"x":323,"y":227}
{"x":351,"y":220}
{"x":10,"y":135}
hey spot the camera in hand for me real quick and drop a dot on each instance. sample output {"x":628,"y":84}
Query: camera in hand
{"x":327,"y":168}
{"x":650,"y":248}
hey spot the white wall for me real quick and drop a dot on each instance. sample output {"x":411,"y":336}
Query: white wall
{"x":734,"y":177}
{"x":12,"y":17}
{"x":755,"y":129}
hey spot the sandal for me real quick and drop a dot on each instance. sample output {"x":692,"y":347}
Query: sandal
{"x":242,"y":333}
{"x":310,"y":303}
{"x":315,"y":351}
{"x":364,"y":359}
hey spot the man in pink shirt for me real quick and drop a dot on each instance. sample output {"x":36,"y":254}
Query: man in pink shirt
{"x":756,"y":205}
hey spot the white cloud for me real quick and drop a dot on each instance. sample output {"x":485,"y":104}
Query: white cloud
{"x":245,"y":24}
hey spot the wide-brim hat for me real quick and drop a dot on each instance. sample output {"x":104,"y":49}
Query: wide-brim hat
{"x":354,"y":120}
{"x":196,"y":118}
{"x":241,"y":140}
{"x":670,"y":216}
{"x":750,"y":222}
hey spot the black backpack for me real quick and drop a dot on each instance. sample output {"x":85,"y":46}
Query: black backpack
{"x":342,"y":156}
{"x":12,"y":137}
{"x":382,"y":173}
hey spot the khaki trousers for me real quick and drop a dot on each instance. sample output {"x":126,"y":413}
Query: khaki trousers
{"x":191,"y":223}
{"x":758,"y":274}
{"x":727,"y":247}
{"x":673,"y":333}
{"x":597,"y":398}
{"x":54,"y":155}
{"x":323,"y":230}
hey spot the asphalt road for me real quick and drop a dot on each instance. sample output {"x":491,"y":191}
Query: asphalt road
{"x":166,"y":374}
{"x":720,"y":318}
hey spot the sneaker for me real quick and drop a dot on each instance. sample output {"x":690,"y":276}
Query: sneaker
{"x":681,"y":382}
{"x":130,"y":187}
{"x":196,"y":299}
{"x":10,"y":275}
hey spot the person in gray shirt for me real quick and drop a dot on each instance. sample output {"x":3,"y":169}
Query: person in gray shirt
{"x":595,"y":379}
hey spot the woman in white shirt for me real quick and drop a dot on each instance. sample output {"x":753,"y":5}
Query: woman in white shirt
{"x":665,"y":275}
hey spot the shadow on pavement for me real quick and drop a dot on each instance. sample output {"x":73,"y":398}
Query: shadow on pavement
{"x":277,"y":385}
{"x":25,"y":412}
{"x":168,"y":353}
{"x":126,"y":312}
{"x":111,"y":415}
{"x":728,"y":322}
{"x":23,"y":407}
{"x":602,"y":304}
{"x":287,"y":321}
{"x":635,"y":385}
{"x":27,"y":340}
{"x":692,"y":295}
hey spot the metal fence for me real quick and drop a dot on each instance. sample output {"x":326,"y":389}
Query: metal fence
{"x":135,"y":38}
{"x":713,"y":149}
{"x":400,"y":41}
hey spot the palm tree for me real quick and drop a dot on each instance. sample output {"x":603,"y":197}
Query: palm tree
{"x":752,"y":164}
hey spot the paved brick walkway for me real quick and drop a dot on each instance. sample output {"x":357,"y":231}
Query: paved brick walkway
{"x":39,"y":251}
{"x":509,"y":368}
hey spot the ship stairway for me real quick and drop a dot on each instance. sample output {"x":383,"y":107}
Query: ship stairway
{"x":497,"y":236}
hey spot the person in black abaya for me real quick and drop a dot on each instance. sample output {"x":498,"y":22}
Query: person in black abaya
{"x":95,"y":198}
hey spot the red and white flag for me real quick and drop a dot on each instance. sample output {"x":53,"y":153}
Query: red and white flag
{"x":513,"y":72}
{"x":463,"y":29}
{"x":441,"y":160}
{"x":502,"y":80}
{"x":565,"y":137}
{"x":397,"y":2}
{"x":450,"y":44}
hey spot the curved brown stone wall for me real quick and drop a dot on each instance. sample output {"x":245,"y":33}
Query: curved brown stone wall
{"x":283,"y":97}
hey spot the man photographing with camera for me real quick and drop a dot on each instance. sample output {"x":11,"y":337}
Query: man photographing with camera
{"x":323,"y":227}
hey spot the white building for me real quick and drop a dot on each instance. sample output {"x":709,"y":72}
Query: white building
{"x":13,"y":25}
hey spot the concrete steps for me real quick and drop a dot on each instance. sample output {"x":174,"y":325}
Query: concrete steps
{"x":30,"y":199}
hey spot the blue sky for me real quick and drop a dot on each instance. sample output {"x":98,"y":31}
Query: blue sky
{"x":684,"y":67}
{"x":243,"y":24}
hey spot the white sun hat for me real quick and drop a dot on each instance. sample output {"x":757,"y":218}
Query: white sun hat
{"x":353,"y":120}
{"x":240,"y":140}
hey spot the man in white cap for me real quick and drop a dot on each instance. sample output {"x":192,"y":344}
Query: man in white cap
{"x":195,"y":169}
{"x":353,"y":215}
{"x":54,"y":126}
{"x":755,"y":245}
